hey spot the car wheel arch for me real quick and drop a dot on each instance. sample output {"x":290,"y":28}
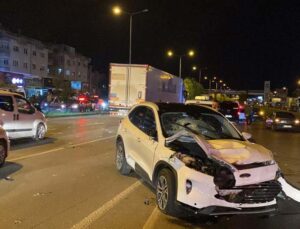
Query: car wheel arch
{"x":163,"y":165}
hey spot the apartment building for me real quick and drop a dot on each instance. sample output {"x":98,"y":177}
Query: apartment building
{"x":66,"y":63}
{"x":23,"y":61}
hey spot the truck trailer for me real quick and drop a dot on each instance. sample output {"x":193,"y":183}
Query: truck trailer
{"x":135,"y":83}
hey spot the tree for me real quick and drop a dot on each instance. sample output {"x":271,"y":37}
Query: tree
{"x":64,"y":87}
{"x":193,"y":88}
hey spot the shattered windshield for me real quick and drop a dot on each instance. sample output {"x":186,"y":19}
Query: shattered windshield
{"x":210,"y":125}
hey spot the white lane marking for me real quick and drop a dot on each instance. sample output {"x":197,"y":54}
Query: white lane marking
{"x":98,"y":213}
{"x":150,"y":223}
{"x":93,"y":124}
{"x":60,"y":148}
{"x":96,"y":140}
{"x":37,"y":154}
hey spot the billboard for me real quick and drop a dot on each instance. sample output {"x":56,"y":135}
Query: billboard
{"x":76,"y":85}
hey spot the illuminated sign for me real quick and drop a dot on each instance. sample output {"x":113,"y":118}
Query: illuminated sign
{"x":17,"y":81}
{"x":76,"y":85}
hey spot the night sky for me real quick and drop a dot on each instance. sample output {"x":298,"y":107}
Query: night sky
{"x":243,"y":42}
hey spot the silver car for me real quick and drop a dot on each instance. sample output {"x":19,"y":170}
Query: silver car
{"x":19,"y":118}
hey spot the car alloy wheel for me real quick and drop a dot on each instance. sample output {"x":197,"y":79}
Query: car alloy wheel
{"x":2,"y":154}
{"x":162,"y":192}
{"x":121,"y":163}
{"x":40,"y":132}
{"x":119,"y":156}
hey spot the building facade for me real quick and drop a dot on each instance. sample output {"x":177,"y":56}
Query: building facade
{"x":33,"y":65}
{"x":65,"y":63}
{"x":23,"y":61}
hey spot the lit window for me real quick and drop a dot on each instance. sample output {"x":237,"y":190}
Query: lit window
{"x":68,"y":72}
{"x":59,"y":71}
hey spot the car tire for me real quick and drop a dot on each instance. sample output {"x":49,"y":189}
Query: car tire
{"x":40,"y":132}
{"x":166,"y":192}
{"x":121,"y":163}
{"x":3,"y":153}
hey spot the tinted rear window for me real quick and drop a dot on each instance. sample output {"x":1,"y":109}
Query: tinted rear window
{"x":285,"y":115}
{"x":228,"y":105}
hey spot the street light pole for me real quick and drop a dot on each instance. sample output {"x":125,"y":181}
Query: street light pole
{"x":117,"y":11}
{"x":180,"y":66}
{"x":130,"y":37}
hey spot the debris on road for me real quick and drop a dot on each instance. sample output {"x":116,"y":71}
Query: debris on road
{"x":9,"y":178}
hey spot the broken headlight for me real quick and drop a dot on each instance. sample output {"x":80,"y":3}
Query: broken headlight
{"x":224,"y":178}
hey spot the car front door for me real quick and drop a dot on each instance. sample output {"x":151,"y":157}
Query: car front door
{"x":25,"y":117}
{"x":8,"y":115}
{"x":147,"y":142}
{"x":142,"y":140}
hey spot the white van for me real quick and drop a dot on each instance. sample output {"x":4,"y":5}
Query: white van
{"x":20,"y":118}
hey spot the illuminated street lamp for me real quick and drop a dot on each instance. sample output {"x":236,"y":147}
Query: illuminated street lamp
{"x":117,"y":10}
{"x":190,"y":53}
{"x":298,"y":82}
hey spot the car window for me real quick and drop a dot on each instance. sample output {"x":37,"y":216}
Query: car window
{"x":143,"y":118}
{"x":285,"y":115}
{"x":24,"y":107}
{"x":148,"y":125}
{"x":226,"y":105}
{"x":137,"y":115}
{"x":6,"y":103}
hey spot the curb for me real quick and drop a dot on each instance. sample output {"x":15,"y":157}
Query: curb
{"x":76,"y":114}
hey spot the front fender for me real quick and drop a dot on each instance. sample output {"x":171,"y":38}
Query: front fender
{"x":289,"y":190}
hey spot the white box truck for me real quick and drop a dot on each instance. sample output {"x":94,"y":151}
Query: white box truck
{"x":131,"y":84}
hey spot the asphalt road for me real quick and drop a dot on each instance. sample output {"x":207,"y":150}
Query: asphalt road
{"x":69,"y":181}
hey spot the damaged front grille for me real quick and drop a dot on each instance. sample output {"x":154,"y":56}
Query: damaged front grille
{"x":251,"y":194}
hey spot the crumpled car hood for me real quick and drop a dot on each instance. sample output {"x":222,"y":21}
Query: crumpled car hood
{"x":239,"y":152}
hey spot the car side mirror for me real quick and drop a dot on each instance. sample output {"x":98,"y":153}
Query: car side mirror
{"x":246,"y":135}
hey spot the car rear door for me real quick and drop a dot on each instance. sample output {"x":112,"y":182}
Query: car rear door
{"x":24,"y":123}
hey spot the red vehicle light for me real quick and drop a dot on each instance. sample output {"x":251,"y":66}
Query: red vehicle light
{"x":81,"y":99}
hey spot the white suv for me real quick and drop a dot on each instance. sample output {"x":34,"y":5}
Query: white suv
{"x":20,"y":118}
{"x":198,"y":161}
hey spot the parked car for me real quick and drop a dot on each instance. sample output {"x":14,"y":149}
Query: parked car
{"x":232,"y":110}
{"x":281,"y":120}
{"x":20,"y":118}
{"x":198,"y":161}
{"x":4,"y":146}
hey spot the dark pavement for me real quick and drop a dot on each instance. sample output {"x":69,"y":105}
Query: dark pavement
{"x":69,"y":181}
